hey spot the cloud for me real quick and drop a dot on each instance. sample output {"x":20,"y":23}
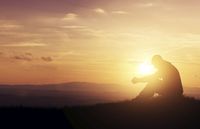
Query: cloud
{"x":47,"y":59}
{"x":24,"y":45}
{"x":70,"y":17}
{"x":30,"y":57}
{"x":7,"y":26}
{"x":119,"y":12}
{"x":80,"y":32}
{"x":70,"y":53}
{"x":146,"y":5}
{"x":43,"y":67}
{"x":28,"y":54}
{"x":100,"y":10}
{"x":25,"y":57}
{"x":74,"y":27}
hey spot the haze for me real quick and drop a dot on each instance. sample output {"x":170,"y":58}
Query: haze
{"x":101,"y":41}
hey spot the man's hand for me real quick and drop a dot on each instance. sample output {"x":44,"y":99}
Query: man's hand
{"x":135,"y":80}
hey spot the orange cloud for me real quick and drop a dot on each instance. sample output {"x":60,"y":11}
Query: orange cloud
{"x":47,"y":59}
{"x":70,"y":17}
{"x":100,"y":10}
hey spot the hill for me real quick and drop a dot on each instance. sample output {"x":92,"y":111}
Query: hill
{"x":33,"y":118}
{"x":158,"y":113}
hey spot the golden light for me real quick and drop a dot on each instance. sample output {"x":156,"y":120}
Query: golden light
{"x":146,"y":69}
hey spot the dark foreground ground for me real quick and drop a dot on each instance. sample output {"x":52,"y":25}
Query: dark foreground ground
{"x":32,"y":118}
{"x":154,"y":114}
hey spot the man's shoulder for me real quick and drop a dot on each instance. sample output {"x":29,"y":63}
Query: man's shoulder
{"x":168,"y":65}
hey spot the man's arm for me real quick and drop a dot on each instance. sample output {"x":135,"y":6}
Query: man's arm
{"x":146,"y":78}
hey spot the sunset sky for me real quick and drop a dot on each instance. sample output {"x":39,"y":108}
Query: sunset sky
{"x":104,"y":41}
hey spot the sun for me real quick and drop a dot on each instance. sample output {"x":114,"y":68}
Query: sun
{"x":146,"y":69}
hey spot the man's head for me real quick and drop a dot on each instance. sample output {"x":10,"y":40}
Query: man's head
{"x":157,"y":61}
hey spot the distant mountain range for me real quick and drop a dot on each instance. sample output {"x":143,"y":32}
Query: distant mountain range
{"x":68,"y":94}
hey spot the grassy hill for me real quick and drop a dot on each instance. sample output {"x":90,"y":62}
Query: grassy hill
{"x":159,"y":113}
{"x":33,"y":118}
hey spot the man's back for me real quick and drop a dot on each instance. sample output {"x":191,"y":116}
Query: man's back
{"x":171,"y":78}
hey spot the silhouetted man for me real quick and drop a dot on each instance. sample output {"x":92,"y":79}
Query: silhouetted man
{"x":165,"y":82}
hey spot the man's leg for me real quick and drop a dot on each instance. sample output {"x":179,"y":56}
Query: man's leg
{"x":148,"y":91}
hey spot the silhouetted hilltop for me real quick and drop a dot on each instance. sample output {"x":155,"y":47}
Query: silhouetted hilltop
{"x":158,"y":113}
{"x":33,"y":118}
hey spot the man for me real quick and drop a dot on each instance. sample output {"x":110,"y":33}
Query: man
{"x":165,"y":82}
